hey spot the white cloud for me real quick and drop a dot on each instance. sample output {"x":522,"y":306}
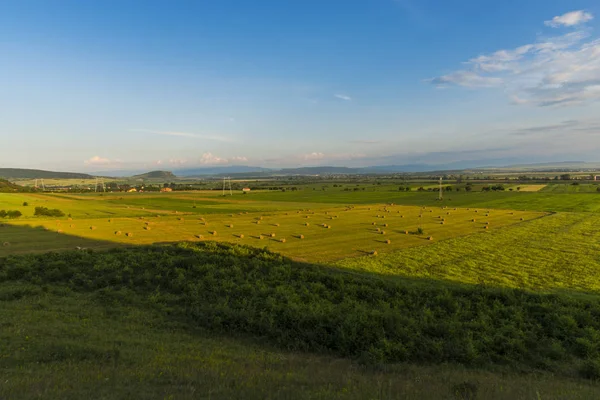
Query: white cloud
{"x":313,"y":156}
{"x":177,"y":161}
{"x":97,"y":160}
{"x":560,"y":70}
{"x":218,"y":138}
{"x":238,"y":159}
{"x":570,"y":19}
{"x":210,"y":159}
{"x":343,"y":97}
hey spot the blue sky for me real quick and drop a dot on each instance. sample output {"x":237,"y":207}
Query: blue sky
{"x":100,"y":85}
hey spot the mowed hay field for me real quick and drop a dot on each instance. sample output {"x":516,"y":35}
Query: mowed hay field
{"x":305,"y":231}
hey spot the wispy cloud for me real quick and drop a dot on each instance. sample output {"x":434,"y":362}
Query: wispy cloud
{"x":570,"y":19}
{"x":343,"y":97}
{"x":218,"y":138}
{"x":365,"y":141}
{"x":559,"y":70}
{"x":565,"y":125}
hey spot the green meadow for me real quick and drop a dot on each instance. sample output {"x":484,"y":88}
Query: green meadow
{"x":318,"y":293}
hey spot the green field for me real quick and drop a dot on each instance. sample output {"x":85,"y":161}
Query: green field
{"x":318,"y":234}
{"x":418,"y":320}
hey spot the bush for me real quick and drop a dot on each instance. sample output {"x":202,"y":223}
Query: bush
{"x":47,"y":212}
{"x":10,"y":214}
{"x":420,"y":231}
{"x":13,"y":214}
{"x":25,"y":204}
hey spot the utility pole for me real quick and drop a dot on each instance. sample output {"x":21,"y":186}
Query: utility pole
{"x":441,"y":196}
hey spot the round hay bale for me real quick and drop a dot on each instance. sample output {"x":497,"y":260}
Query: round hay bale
{"x":118,"y":233}
{"x":378,"y":229}
{"x":374,"y":253}
{"x":260,"y":237}
{"x":6,"y":244}
{"x":385,"y":225}
{"x":241,"y":235}
{"x":382,"y":232}
{"x":260,"y":218}
{"x":180,"y":219}
{"x":374,"y":223}
{"x":442,"y":222}
{"x":71,"y":226}
{"x":487,"y":222}
{"x":522,"y":219}
{"x":282,"y":240}
{"x":272,"y":235}
{"x":230,"y":225}
{"x":301,"y":237}
{"x":276,"y":224}
{"x":257,"y":222}
{"x":429,"y":237}
{"x":473,"y":220}
{"x":406,"y":232}
{"x":306,"y":224}
{"x":199,"y":236}
{"x":93,"y":228}
{"x":147,"y":228}
{"x":328,"y":227}
{"x":147,"y":223}
{"x":486,"y":227}
{"x":129,"y":234}
{"x":214,"y":233}
{"x":70,"y":219}
{"x":402,"y":216}
{"x":388,"y":241}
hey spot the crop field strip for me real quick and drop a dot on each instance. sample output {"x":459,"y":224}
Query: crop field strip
{"x":317,"y":235}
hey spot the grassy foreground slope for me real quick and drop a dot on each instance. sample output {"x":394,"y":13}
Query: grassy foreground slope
{"x":60,"y":344}
{"x":229,"y":288}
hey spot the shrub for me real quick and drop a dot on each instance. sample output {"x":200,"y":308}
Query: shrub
{"x":46,"y":212}
{"x":13,"y":214}
{"x":25,"y":204}
{"x":420,"y":231}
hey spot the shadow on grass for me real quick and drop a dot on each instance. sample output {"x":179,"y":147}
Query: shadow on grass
{"x":22,"y":239}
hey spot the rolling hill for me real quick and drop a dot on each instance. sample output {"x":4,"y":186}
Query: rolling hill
{"x":156,"y":175}
{"x":21,"y":173}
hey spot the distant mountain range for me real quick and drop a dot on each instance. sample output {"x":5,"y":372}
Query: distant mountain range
{"x":241,"y":171}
